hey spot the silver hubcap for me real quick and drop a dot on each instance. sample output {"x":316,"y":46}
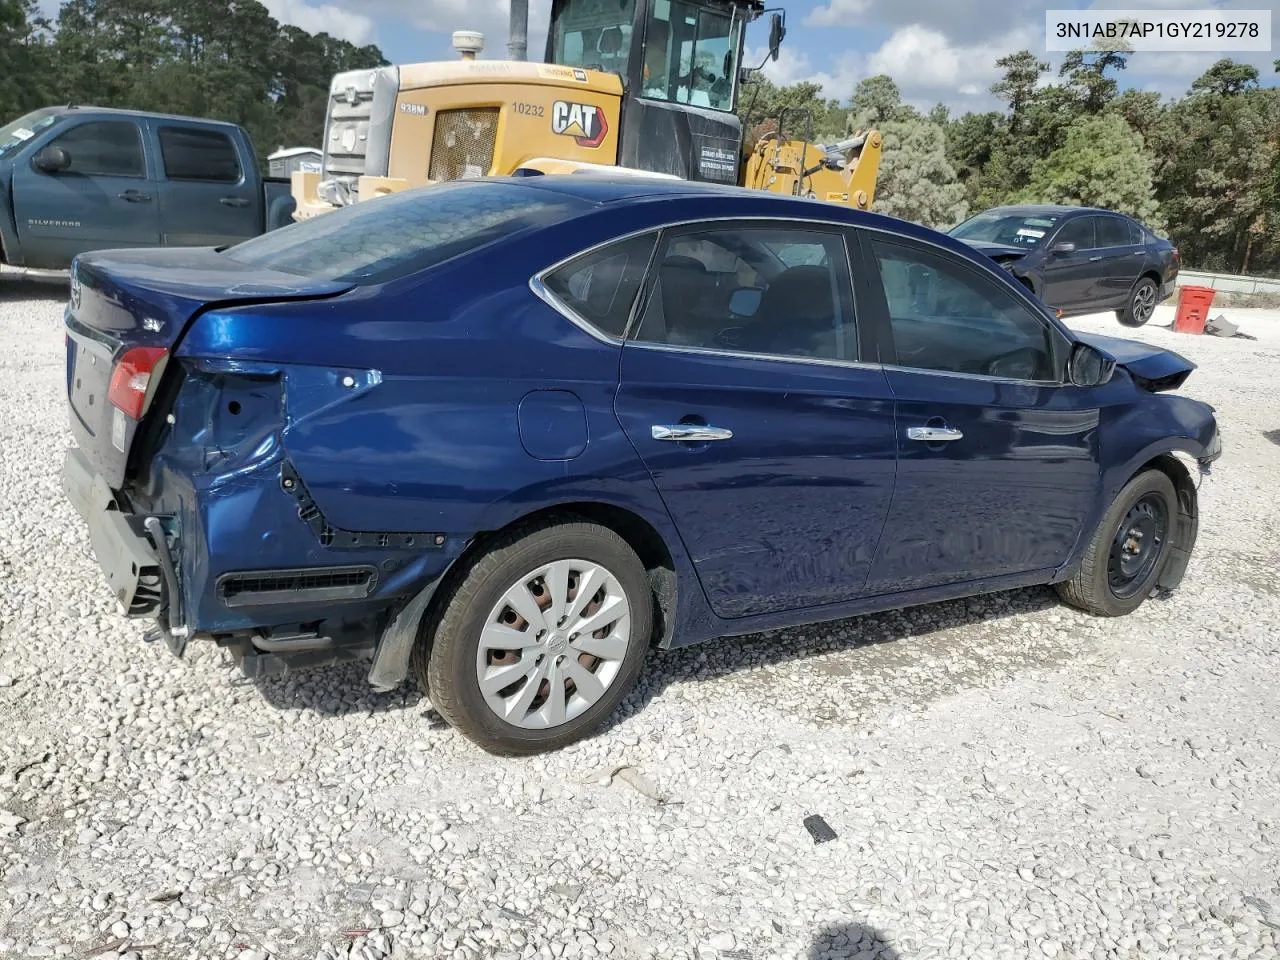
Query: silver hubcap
{"x":1144,"y":302}
{"x":553,"y":644}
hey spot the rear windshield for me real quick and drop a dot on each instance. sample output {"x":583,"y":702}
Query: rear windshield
{"x":380,"y":240}
{"x":19,"y":131}
{"x":1015,"y":230}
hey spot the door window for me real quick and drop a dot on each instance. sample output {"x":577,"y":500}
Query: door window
{"x":946,"y":316}
{"x":1079,"y":232}
{"x":601,"y":286}
{"x":775,"y":291}
{"x":690,"y":55}
{"x":1113,"y":232}
{"x":199,"y":155}
{"x":110,"y":148}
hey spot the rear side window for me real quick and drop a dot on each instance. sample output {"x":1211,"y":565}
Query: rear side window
{"x":380,"y":240}
{"x":107,"y":148}
{"x":1113,"y":232}
{"x":601,"y":286}
{"x":198,"y":155}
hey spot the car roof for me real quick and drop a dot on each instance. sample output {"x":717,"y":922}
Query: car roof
{"x":734,"y":201}
{"x":1061,"y":209}
{"x":117,"y":111}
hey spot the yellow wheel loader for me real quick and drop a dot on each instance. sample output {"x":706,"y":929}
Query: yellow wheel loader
{"x":627,"y":86}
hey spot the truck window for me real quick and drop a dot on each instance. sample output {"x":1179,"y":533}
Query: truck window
{"x":191,"y":154}
{"x":103,"y":148}
{"x":403,"y":233}
{"x":592,"y":35}
{"x":691,"y":55}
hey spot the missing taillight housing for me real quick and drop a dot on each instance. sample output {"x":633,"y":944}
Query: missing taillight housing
{"x":132,"y":380}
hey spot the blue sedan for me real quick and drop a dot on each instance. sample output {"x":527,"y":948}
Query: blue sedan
{"x":503,"y":436}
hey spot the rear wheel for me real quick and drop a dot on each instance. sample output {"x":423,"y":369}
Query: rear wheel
{"x":1129,"y":549}
{"x":1141,"y":305}
{"x":541,"y":640}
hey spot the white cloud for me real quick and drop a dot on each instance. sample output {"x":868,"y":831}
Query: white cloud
{"x":490,"y":17}
{"x":326,"y":18}
{"x":792,"y":65}
{"x":837,"y":13}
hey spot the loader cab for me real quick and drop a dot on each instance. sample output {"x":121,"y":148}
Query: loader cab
{"x":680,"y":64}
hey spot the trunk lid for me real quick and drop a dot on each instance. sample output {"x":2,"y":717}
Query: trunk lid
{"x":1153,"y":368}
{"x":128,"y":310}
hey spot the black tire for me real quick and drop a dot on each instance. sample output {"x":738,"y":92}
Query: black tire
{"x":1094,"y":588}
{"x":445,"y":657}
{"x":1141,"y":305}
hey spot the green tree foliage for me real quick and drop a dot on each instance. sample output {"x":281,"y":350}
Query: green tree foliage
{"x":1087,"y":78}
{"x":1022,"y":71}
{"x":799,"y":108}
{"x":1101,"y":163}
{"x":917,"y":181}
{"x":224,"y":59}
{"x":1225,"y":78}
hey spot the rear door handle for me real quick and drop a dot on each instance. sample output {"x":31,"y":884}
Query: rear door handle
{"x":133,"y":196}
{"x":689,"y":431}
{"x":234,"y":202}
{"x":933,"y":434}
{"x":1094,"y":259}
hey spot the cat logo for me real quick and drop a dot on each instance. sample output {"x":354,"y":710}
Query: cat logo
{"x":582,"y":121}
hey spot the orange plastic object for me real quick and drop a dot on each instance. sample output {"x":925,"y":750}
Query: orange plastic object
{"x":1193,"y":309}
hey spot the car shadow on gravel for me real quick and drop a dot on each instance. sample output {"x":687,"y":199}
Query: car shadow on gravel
{"x":342,"y":690}
{"x":33,"y":288}
{"x":851,"y":941}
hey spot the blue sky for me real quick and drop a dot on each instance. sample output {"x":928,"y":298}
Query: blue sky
{"x":937,"y":50}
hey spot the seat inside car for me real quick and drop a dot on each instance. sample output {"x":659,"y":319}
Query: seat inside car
{"x":797,"y":315}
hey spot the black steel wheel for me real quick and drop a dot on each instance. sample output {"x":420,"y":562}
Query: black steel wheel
{"x":1137,"y":546}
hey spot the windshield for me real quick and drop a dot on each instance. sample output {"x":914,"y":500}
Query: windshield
{"x":691,"y":55}
{"x":380,"y":240}
{"x":592,"y":34}
{"x":1014,"y":230}
{"x":25,"y":127}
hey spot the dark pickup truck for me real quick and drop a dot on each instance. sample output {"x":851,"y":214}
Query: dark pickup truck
{"x":74,"y":179}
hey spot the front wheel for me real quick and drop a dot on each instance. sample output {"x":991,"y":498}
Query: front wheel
{"x":1129,"y":549}
{"x":541,"y":639}
{"x":1141,"y":305}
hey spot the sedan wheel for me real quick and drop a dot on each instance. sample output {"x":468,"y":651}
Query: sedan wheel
{"x":1129,"y":549}
{"x":1142,"y":304}
{"x":540,"y":638}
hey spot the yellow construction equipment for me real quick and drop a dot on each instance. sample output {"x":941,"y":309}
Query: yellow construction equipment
{"x":643,"y":86}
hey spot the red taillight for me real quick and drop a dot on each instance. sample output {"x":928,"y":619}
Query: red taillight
{"x":132,"y":377}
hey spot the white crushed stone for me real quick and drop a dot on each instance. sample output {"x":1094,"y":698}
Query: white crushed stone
{"x":1008,"y":778}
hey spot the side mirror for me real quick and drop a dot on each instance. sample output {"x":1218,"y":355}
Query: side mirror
{"x":52,"y":160}
{"x":745,"y":301}
{"x":1064,"y":248}
{"x":777,"y":32}
{"x":1089,"y":367}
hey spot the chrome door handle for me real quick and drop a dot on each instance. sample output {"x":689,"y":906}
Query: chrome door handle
{"x":233,"y":202}
{"x":1139,"y":253}
{"x":133,"y":196}
{"x":933,"y":434}
{"x":689,"y":431}
{"x":1094,"y":259}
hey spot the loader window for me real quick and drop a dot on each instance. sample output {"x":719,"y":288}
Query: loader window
{"x":592,"y":34}
{"x":691,"y":55}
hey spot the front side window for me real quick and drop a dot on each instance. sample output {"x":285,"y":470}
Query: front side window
{"x":399,"y":234}
{"x":947,"y":317}
{"x":1078,"y":231}
{"x":691,"y":55}
{"x":726,"y":289}
{"x":601,"y":286}
{"x":592,"y":34}
{"x":106,"y":148}
{"x":198,"y":155}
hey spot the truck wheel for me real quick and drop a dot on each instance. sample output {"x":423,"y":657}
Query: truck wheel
{"x":1141,"y":305}
{"x":542,"y":638}
{"x":1129,"y":549}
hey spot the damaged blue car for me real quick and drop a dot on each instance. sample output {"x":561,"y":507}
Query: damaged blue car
{"x":505,"y":436}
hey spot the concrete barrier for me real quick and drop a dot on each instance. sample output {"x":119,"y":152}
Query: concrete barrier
{"x":1227,"y":283}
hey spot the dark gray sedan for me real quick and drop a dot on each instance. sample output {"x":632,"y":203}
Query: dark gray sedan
{"x":1078,"y":259}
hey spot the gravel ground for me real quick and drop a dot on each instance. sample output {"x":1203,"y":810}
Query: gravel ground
{"x":1005,"y":777}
